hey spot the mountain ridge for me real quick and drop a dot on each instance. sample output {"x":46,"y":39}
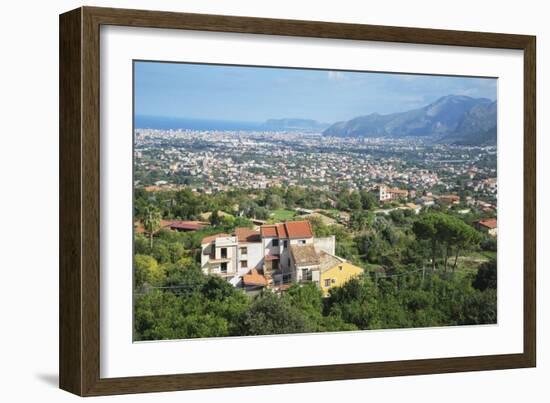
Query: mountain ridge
{"x":294,"y":124}
{"x":453,"y":118}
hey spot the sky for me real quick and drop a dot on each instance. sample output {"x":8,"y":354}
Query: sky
{"x":255,"y":94}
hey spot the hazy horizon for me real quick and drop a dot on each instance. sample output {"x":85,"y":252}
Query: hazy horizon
{"x":252,"y":95}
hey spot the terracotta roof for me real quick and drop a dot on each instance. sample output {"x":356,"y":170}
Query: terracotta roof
{"x":490,"y":223}
{"x":163,"y":224}
{"x":270,"y":258}
{"x":188,"y":225}
{"x":398,"y":191}
{"x":268,"y":231}
{"x":304,"y":255}
{"x":282,"y":231}
{"x":212,"y":238}
{"x":449,"y":198}
{"x":328,"y":261}
{"x":291,"y":229}
{"x":254,"y":278}
{"x":299,"y":229}
{"x":138,"y":228}
{"x":247,"y":235}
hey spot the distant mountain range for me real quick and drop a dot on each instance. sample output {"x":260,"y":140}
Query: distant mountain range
{"x":290,"y":124}
{"x":165,"y":123}
{"x":455,"y":119}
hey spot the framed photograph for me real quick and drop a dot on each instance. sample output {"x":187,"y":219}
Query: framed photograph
{"x":248,"y":201}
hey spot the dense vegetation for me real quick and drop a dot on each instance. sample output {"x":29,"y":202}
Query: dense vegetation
{"x":431,"y":269}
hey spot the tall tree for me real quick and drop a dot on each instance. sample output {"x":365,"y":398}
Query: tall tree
{"x":368,"y":200}
{"x":151,"y":222}
{"x":426,"y":228}
{"x":215,"y":218}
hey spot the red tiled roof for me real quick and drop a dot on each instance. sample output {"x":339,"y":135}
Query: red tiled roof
{"x":163,"y":224}
{"x":254,"y":278}
{"x":398,"y":191}
{"x":138,"y":228}
{"x":299,"y":229}
{"x":490,"y":223}
{"x":188,"y":225}
{"x":271,"y":257}
{"x":212,"y":238}
{"x":449,"y":197}
{"x":290,"y":229}
{"x":281,"y":231}
{"x":247,"y":235}
{"x":268,"y":231}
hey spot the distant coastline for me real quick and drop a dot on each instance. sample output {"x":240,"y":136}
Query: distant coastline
{"x":167,"y":123}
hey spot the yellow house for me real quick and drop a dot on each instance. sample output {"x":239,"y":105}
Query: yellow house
{"x":335,"y":272}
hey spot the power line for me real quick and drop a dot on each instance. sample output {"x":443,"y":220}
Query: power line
{"x":400,"y":274}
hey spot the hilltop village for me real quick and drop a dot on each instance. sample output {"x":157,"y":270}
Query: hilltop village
{"x":240,"y":233}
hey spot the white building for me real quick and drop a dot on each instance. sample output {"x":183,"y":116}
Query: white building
{"x":272,"y":253}
{"x":386,"y":193}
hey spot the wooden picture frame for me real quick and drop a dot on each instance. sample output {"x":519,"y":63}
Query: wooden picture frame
{"x":79,"y":346}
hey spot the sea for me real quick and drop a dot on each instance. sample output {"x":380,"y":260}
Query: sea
{"x":166,"y":123}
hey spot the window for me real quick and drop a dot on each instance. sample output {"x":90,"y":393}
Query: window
{"x":223,"y":267}
{"x":285,"y":244}
{"x":243,"y":251}
{"x":275,"y":242}
{"x":224,"y":253}
{"x":274,"y":264}
{"x":301,"y":242}
{"x":288,"y":262}
{"x":327,"y":282}
{"x":306,"y":274}
{"x":244,"y":264}
{"x":333,"y":281}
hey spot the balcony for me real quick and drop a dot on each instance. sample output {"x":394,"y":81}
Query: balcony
{"x":218,"y":261}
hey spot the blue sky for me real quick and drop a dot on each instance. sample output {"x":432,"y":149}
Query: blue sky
{"x":255,"y":94}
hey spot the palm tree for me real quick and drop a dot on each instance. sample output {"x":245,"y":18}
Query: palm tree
{"x":151,"y":221}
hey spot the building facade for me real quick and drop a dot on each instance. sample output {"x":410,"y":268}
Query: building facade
{"x":488,"y":225}
{"x":275,"y":256}
{"x":335,"y":272}
{"x":386,"y":194}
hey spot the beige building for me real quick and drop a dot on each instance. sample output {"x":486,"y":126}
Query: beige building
{"x":386,"y":193}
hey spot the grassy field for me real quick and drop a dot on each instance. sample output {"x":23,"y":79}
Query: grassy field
{"x":472,"y":261}
{"x":282,"y":215}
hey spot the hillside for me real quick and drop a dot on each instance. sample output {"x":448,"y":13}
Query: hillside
{"x":453,"y":118}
